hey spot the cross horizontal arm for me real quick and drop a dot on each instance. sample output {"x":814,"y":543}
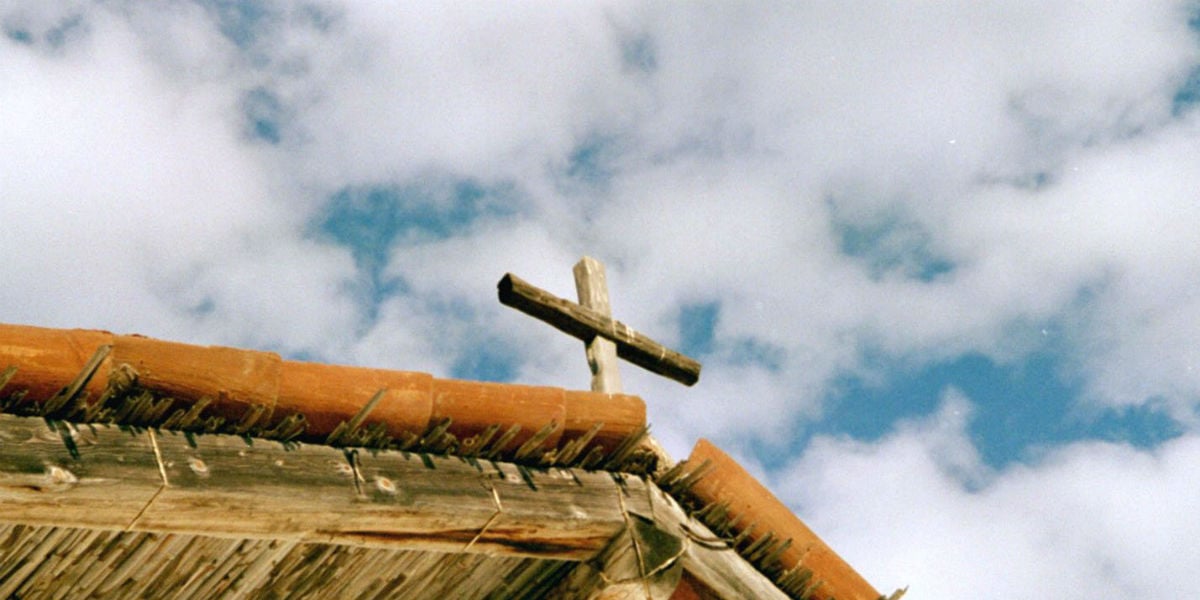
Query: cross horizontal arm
{"x":585,"y":324}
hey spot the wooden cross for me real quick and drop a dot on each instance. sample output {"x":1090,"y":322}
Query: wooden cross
{"x":606,"y":339}
{"x":591,"y":321}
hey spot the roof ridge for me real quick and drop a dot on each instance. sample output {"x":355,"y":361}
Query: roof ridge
{"x":96,"y":376}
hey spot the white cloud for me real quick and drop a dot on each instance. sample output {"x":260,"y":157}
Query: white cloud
{"x":1031,"y":148}
{"x":138,"y":200}
{"x":733,"y":141}
{"x":397,"y":89}
{"x":1090,"y":520}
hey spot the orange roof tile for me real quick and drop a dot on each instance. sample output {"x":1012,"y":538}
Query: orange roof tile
{"x":735,"y":504}
{"x":212,"y":388}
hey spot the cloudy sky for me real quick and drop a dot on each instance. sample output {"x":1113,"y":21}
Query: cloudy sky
{"x":941,"y":261}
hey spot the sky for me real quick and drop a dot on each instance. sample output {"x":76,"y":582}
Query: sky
{"x":939,"y":260}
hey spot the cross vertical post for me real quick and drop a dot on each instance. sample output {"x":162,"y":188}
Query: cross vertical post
{"x":605,"y":338}
{"x":591,"y":285}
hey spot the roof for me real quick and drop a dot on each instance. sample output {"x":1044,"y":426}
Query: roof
{"x":383,"y":484}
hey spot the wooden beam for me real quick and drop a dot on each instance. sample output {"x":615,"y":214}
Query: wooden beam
{"x":585,"y":324}
{"x":224,"y":488}
{"x":591,"y":286}
{"x":641,"y":562}
{"x":669,"y":555}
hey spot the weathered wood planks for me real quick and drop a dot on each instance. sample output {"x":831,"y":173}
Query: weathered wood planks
{"x":225,"y":488}
{"x":277,"y":502}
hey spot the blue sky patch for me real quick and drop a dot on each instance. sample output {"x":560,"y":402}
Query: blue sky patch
{"x":247,"y":22}
{"x":18,"y":34}
{"x":1018,"y":410}
{"x":488,"y":360}
{"x":371,"y":220}
{"x":697,"y":338}
{"x":591,"y":164}
{"x":589,"y":161}
{"x":68,"y":28}
{"x":890,"y":245}
{"x":1032,"y":181}
{"x":205,"y":307}
{"x":1188,"y":95}
{"x":264,"y":115}
{"x":748,"y":351}
{"x":480,"y":355}
{"x":239,"y":20}
{"x":639,"y":54}
{"x":697,"y":324}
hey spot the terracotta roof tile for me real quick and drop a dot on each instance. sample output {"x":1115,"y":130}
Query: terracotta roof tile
{"x":229,"y":390}
{"x":742,"y":508}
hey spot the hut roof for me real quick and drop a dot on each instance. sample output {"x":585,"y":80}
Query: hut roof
{"x":138,"y":467}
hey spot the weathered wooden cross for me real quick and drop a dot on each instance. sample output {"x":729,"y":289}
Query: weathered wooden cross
{"x":606,"y":339}
{"x":591,"y":321}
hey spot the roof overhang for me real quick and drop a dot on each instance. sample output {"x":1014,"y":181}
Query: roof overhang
{"x":152,"y":513}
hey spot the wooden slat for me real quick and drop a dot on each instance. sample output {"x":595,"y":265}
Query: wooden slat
{"x":224,"y":488}
{"x":47,"y":562}
{"x":586,"y":324}
{"x":591,"y":287}
{"x":674,"y":549}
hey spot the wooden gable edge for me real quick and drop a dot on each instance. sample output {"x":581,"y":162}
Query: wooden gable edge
{"x":221,"y":487}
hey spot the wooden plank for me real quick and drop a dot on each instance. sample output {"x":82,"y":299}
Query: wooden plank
{"x":227,"y":490}
{"x":585,"y":324}
{"x":675,"y":552}
{"x":224,"y":488}
{"x":41,"y":484}
{"x":641,"y":562}
{"x":591,"y":285}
